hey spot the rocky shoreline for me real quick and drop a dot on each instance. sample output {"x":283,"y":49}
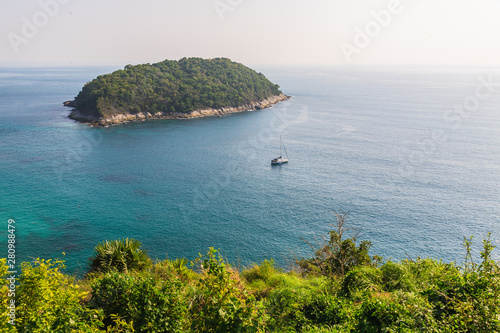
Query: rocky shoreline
{"x":143,"y":116}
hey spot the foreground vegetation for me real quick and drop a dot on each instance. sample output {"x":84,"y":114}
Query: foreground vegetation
{"x":174,"y":87}
{"x":340,"y":289}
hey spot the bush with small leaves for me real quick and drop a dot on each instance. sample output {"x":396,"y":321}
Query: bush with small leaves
{"x":49,"y":301}
{"x":149,"y":305}
{"x":361,"y":280}
{"x":222,"y":303}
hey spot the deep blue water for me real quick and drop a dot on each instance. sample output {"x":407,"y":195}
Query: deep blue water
{"x":384,"y":144}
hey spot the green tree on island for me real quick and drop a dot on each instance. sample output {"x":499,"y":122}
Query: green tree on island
{"x":173,"y":87}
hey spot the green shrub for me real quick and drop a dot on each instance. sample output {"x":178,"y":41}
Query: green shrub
{"x":469,"y":299}
{"x":264,"y":278}
{"x":49,"y":301}
{"x":285,"y":307}
{"x":381,"y":314}
{"x":418,"y":312}
{"x":173,"y":269}
{"x":425,"y":272}
{"x":261,"y":272}
{"x":338,"y":255}
{"x":121,"y":255}
{"x":302,"y":308}
{"x":324,"y":309}
{"x":395,"y":277}
{"x":222,"y":303}
{"x":362,"y":279}
{"x":425,"y":295}
{"x":149,"y":305}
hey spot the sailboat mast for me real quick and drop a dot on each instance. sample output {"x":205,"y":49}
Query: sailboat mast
{"x":281,"y":145}
{"x":280,"y":160}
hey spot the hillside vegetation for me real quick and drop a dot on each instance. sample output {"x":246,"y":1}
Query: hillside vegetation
{"x":171,"y":86}
{"x":340,"y":289}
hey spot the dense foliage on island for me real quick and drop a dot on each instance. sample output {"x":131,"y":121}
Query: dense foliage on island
{"x":173,"y":86}
{"x":340,"y":289}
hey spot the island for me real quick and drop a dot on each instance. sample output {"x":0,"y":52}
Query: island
{"x":171,"y":89}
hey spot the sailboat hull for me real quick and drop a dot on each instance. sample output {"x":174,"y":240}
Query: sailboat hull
{"x":279,"y":161}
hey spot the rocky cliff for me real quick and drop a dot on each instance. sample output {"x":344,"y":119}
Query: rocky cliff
{"x":142,"y":116}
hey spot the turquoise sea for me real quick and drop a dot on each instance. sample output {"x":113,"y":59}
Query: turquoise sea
{"x":412,"y":153}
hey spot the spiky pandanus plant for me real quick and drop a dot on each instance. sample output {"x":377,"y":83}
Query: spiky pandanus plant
{"x":122,"y":255}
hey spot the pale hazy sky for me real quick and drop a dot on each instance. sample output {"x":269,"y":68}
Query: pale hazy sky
{"x":76,"y":32}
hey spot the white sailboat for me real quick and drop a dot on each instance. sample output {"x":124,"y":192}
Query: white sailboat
{"x":280,"y":160}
